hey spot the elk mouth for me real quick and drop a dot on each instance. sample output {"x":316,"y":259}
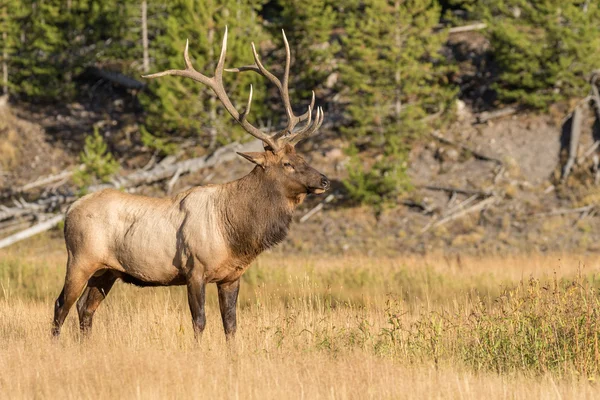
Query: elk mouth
{"x":322,"y":188}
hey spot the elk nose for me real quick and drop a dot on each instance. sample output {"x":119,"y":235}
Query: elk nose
{"x":324,"y":182}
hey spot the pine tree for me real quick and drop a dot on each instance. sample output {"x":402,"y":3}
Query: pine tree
{"x":39,"y":60}
{"x":98,"y":162}
{"x":57,"y":40}
{"x":308,"y":25}
{"x":395,"y":79}
{"x":545,"y":50}
{"x":189,"y":108}
{"x":11,"y":11}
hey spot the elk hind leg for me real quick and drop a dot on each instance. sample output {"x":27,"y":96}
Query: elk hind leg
{"x":75,"y":282}
{"x":96,"y":291}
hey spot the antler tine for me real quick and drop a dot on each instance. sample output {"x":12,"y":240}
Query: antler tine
{"x":186,"y":56}
{"x":188,"y":72}
{"x":308,"y":130}
{"x":282,"y":86}
{"x":286,"y":71}
{"x":311,"y":107}
{"x":247,"y":110}
{"x":216,"y":84}
{"x":263,"y":71}
{"x":221,"y":62}
{"x":308,"y":122}
{"x":281,"y":134}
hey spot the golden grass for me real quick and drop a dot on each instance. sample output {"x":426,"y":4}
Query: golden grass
{"x":309,"y":327}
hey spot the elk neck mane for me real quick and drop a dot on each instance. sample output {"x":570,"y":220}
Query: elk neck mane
{"x":256,"y":213}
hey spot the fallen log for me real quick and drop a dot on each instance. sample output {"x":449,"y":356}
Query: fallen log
{"x":46,"y":180}
{"x":34,"y":230}
{"x":589,"y":152}
{"x":117,"y":78}
{"x":477,"y":207}
{"x":564,"y":211}
{"x":23,"y":209}
{"x":163,"y":172}
{"x":316,"y":209}
{"x":489,"y":115}
{"x":460,"y":206}
{"x":458,"y":190}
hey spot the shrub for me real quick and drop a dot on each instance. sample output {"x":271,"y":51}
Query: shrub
{"x":98,"y":162}
{"x":160,"y":144}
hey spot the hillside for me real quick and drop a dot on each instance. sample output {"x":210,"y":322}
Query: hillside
{"x":524,"y":207}
{"x":485,"y":178}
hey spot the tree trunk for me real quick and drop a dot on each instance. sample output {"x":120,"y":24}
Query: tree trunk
{"x":4,"y":66}
{"x":398,"y":90}
{"x":4,"y":54}
{"x":146,"y":61}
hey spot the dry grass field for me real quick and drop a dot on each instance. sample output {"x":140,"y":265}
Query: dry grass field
{"x":313,"y":327}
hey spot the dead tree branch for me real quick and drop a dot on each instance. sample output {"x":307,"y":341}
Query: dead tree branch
{"x":489,"y":115}
{"x":48,"y":180}
{"x":477,"y":207}
{"x":317,"y":208}
{"x":578,"y":210}
{"x":458,"y":190}
{"x":162,"y":172}
{"x":117,"y":78}
{"x":467,"y":28}
{"x":34,"y":230}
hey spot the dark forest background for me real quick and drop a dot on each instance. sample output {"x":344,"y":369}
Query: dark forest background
{"x":382,"y":70}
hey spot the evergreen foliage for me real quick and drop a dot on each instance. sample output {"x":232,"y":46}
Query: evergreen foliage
{"x":376,"y":65}
{"x":58,"y":40}
{"x":159,"y":144}
{"x":11,"y":12}
{"x":98,"y":162}
{"x":187,"y":107}
{"x":395,"y":78}
{"x":308,"y":26}
{"x":545,"y":49}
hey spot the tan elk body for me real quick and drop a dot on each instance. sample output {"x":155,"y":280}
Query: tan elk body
{"x":206,"y":234}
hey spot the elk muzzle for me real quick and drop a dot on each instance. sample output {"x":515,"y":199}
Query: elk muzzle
{"x":323,"y":186}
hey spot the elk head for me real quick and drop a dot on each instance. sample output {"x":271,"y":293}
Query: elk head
{"x":279,"y":160}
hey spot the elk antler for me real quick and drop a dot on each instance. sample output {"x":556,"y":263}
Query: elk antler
{"x":275,"y":141}
{"x":216,"y":84}
{"x":287,"y":134}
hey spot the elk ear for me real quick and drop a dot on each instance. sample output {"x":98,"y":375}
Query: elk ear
{"x":257,"y":158}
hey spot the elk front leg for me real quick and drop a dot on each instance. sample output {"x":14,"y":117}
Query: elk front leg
{"x":196,"y":289}
{"x":228,"y":295}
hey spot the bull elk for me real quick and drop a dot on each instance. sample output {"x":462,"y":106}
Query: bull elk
{"x":206,"y":234}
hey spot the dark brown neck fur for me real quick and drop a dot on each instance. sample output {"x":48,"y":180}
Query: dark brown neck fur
{"x":256,"y":214}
